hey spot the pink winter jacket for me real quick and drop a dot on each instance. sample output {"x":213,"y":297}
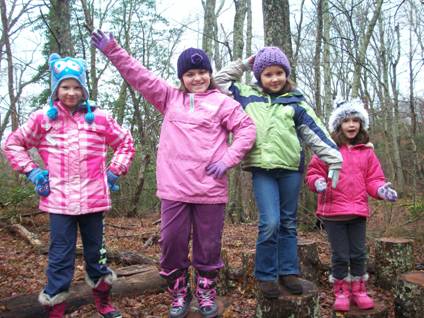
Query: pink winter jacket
{"x":361,"y":174}
{"x":194,"y":133}
{"x":74,"y":152}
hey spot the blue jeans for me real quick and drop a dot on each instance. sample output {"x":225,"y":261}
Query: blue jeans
{"x":348,"y":246}
{"x":276,"y":193}
{"x":63,"y":239}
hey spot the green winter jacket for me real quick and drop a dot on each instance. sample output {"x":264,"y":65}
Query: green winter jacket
{"x":283,"y":124}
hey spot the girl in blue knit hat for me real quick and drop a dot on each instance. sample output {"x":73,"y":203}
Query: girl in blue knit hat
{"x":72,"y":137}
{"x":284,"y":121}
{"x":192,"y":161}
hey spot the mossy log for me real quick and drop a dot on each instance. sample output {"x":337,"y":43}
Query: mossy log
{"x":288,"y":305}
{"x":393,"y":257}
{"x":409,"y":295}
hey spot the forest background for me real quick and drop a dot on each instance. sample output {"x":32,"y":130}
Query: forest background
{"x":371,"y":49}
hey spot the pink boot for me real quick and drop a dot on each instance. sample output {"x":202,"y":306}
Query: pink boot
{"x":55,"y":306}
{"x":101,"y":295}
{"x":341,"y":289}
{"x":359,"y":292}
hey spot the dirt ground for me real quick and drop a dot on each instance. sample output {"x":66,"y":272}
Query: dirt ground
{"x":22,"y":269}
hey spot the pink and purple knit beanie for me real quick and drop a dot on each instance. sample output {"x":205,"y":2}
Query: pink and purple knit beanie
{"x":268,"y":56}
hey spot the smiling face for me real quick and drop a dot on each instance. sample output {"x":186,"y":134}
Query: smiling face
{"x":350,"y":127}
{"x":70,"y":93}
{"x":196,"y":80}
{"x":273,"y":79}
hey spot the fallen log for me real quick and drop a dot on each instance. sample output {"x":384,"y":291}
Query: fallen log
{"x":132,"y":281}
{"x":409,"y":295}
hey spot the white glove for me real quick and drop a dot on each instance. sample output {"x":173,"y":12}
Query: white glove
{"x":333,"y":174}
{"x":320,"y":185}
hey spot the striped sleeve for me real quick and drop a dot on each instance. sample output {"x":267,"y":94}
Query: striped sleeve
{"x":18,"y":143}
{"x":314,"y":134}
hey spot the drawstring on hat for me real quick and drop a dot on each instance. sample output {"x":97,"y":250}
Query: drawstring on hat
{"x":65,"y":68}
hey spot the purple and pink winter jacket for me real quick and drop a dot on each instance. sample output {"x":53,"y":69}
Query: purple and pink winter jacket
{"x":194,"y":133}
{"x":361,"y":175}
{"x":74,"y":152}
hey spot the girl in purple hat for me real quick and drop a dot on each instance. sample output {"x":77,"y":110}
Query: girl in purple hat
{"x":283,"y":122}
{"x":192,"y":161}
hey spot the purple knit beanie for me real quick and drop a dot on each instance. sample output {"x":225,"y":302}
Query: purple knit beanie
{"x":193,"y":58}
{"x":268,"y":56}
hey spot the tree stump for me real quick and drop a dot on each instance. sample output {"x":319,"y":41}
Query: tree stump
{"x":409,"y":295}
{"x":379,"y":311}
{"x":393,"y":256}
{"x":310,"y":264}
{"x":288,"y":305}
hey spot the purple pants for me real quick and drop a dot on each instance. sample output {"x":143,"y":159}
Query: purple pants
{"x":204,"y":221}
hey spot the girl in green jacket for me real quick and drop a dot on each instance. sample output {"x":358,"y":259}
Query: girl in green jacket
{"x":283,"y":123}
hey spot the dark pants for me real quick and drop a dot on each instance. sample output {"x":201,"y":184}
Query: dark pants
{"x":63,"y":239}
{"x":178,"y":220}
{"x":347,"y":240}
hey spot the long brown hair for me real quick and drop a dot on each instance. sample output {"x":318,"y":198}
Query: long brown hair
{"x":340,"y":139}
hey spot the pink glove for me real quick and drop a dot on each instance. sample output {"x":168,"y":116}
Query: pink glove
{"x":386,"y":192}
{"x":217,"y":169}
{"x":320,"y":185}
{"x":101,"y":40}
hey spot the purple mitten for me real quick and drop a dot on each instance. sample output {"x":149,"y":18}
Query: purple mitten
{"x":100,"y":40}
{"x":320,"y":185}
{"x":386,"y":192}
{"x":217,"y":169}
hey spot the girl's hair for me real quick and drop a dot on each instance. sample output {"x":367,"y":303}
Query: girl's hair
{"x":212,"y":85}
{"x":340,"y":139}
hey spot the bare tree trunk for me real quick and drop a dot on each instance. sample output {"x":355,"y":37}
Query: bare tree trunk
{"x":400,"y":184}
{"x":208,"y":27}
{"x":276,"y":16}
{"x":317,"y":59}
{"x":10,"y":73}
{"x":362,"y":50}
{"x":249,"y":36}
{"x":238,"y":28}
{"x":327,"y":105}
{"x":60,"y":28}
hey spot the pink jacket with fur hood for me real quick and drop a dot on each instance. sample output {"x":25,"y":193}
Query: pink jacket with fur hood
{"x":194,"y":133}
{"x":361,"y":175}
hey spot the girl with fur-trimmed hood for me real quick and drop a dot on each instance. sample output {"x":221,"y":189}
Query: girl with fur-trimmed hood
{"x":344,"y":209}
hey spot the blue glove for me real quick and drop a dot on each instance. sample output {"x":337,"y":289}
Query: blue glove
{"x":111,"y":181}
{"x":40,"y":178}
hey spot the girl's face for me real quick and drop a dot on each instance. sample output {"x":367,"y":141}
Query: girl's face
{"x":197,"y":80}
{"x":70,"y":93}
{"x":350,"y":127}
{"x":273,"y":78}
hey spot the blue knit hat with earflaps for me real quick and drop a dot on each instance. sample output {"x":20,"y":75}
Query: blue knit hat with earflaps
{"x":65,"y":68}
